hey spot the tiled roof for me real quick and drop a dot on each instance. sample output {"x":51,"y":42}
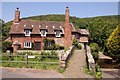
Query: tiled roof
{"x":83,"y":31}
{"x":36,"y":26}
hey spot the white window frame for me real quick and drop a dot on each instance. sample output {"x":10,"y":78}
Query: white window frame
{"x":57,"y":35}
{"x":27,"y":44}
{"x":41,"y":32}
{"x":27,"y":33}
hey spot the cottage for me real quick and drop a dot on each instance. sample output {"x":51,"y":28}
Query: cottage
{"x":27,"y":33}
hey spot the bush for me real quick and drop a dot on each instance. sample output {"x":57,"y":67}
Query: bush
{"x":5,"y":45}
{"x":49,"y":55}
{"x":98,"y":74}
{"x":50,"y":45}
{"x":95,"y":55}
{"x":58,"y":47}
{"x":94,"y":47}
{"x":79,"y":46}
{"x":94,"y":50}
{"x":61,"y":70}
{"x":113,"y":44}
{"x":76,"y":44}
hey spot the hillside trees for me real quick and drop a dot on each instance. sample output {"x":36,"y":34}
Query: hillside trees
{"x":100,"y":30}
{"x":1,"y":23}
{"x":113,"y":44}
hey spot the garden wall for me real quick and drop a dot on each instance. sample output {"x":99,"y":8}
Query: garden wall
{"x":64,"y":57}
{"x":90,"y":59}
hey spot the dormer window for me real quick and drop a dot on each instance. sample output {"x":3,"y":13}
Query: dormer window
{"x":27,"y":32}
{"x":57,"y":33}
{"x":43,"y":32}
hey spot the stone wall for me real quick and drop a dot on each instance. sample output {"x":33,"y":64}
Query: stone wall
{"x":90,"y":59}
{"x":64,"y":57}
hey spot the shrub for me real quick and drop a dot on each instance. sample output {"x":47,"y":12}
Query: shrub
{"x":95,"y":55}
{"x":50,"y":45}
{"x":79,"y":46}
{"x":113,"y":44}
{"x":98,"y":74}
{"x":61,"y":70}
{"x":58,"y":47}
{"x":94,"y":50}
{"x":5,"y":45}
{"x":49,"y":55}
{"x":94,"y":47}
{"x":76,"y":44}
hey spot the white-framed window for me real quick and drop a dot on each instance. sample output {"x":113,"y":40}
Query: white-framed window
{"x":27,"y":44}
{"x":27,"y":32}
{"x":43,"y":32}
{"x":57,"y":33}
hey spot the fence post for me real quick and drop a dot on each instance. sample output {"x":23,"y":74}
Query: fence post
{"x":26,"y":55}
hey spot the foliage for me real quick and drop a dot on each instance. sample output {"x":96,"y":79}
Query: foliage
{"x":19,"y":60}
{"x":94,"y":47}
{"x":5,"y":45}
{"x":5,"y":29}
{"x":97,"y":74}
{"x":76,"y":44}
{"x":94,"y":50}
{"x":113,"y":44}
{"x":49,"y":55}
{"x":31,"y":65}
{"x":61,"y":70}
{"x":50,"y":45}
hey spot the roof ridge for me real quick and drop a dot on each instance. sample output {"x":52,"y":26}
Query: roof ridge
{"x":40,"y":20}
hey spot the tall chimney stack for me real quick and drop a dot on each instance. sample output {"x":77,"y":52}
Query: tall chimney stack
{"x":17,"y":15}
{"x":67,"y":15}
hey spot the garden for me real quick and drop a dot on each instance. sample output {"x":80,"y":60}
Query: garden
{"x":45,"y":60}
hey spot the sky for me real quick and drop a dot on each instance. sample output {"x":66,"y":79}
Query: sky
{"x":78,"y":9}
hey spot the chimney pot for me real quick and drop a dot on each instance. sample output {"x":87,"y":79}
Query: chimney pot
{"x":17,"y":8}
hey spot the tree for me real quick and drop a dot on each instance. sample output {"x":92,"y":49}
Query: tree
{"x":5,"y":45}
{"x":113,"y":44}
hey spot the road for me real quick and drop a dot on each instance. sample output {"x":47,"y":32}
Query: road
{"x":110,"y":73}
{"x":29,"y":73}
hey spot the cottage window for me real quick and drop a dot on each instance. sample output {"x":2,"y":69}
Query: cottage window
{"x":27,"y":32}
{"x":27,"y":44}
{"x":57,"y":33}
{"x":43,"y":32}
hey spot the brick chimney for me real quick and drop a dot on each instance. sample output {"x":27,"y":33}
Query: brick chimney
{"x":17,"y":15}
{"x":67,"y":30}
{"x":67,"y":15}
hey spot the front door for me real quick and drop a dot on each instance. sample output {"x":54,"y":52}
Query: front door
{"x":37,"y":46}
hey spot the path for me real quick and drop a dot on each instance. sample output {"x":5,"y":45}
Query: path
{"x":75,"y":68}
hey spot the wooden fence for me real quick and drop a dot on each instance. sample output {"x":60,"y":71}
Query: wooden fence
{"x":27,"y":59}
